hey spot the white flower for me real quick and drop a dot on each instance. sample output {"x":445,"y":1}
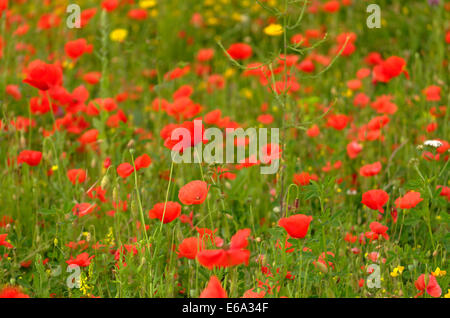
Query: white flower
{"x":433,"y":143}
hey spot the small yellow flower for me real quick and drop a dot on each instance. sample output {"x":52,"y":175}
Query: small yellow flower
{"x":212,"y":21}
{"x":438,"y":272}
{"x":118,"y":35}
{"x":394,"y":273}
{"x":448,"y":294}
{"x":145,"y":4}
{"x":273,"y":30}
{"x":247,"y":93}
{"x":54,"y":168}
{"x":87,"y":235}
{"x":397,"y":271}
{"x":348,"y":93}
{"x":229,"y":73}
{"x":154,"y":13}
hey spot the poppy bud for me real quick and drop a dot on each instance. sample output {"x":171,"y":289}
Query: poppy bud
{"x":115,"y":194}
{"x":105,"y":181}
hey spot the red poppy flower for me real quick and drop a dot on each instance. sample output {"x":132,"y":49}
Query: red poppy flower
{"x":205,"y":55}
{"x":12,"y":292}
{"x":190,"y":247}
{"x":92,"y":77}
{"x":409,"y":200}
{"x":376,"y":230}
{"x":142,"y":161}
{"x":428,"y":283}
{"x":213,"y":289}
{"x":82,"y":209}
{"x":213,"y":117}
{"x":194,"y":192}
{"x":3,"y":241}
{"x":270,"y":152}
{"x":313,"y":131}
{"x":296,"y":225}
{"x":13,"y":91}
{"x":124,"y":169}
{"x":138,"y":14}
{"x":240,"y":51}
{"x":75,"y":49}
{"x":375,"y":199}
{"x":3,"y":5}
{"x":186,"y":135}
{"x":110,"y":5}
{"x":43,"y":76}
{"x":331,"y":6}
{"x":302,"y":178}
{"x":251,"y":294}
{"x":433,"y":93}
{"x":390,"y":68}
{"x":370,"y":169}
{"x":353,"y":149}
{"x":76,"y":175}
{"x":169,"y":211}
{"x":81,"y":260}
{"x":338,"y":122}
{"x":445,"y":192}
{"x":30,"y":157}
{"x":89,"y":137}
{"x":234,"y":255}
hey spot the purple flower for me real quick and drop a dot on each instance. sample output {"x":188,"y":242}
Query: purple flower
{"x":433,"y":2}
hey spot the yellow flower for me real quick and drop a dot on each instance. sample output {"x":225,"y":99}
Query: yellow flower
{"x":273,"y":30}
{"x":54,"y":168}
{"x":145,"y":4}
{"x":397,"y":271}
{"x":438,"y":272}
{"x":229,"y":73}
{"x":87,"y":235}
{"x":448,"y":294}
{"x":118,"y":35}
{"x":394,"y":273}
{"x":247,"y":93}
{"x":154,"y":13}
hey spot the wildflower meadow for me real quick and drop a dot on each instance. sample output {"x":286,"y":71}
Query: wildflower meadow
{"x":224,"y":149}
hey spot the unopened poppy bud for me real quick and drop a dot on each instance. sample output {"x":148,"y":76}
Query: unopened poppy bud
{"x":105,"y":181}
{"x":229,"y":216}
{"x":23,"y":142}
{"x":131,"y":145}
{"x":435,"y":253}
{"x":115,"y":194}
{"x":93,"y":162}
